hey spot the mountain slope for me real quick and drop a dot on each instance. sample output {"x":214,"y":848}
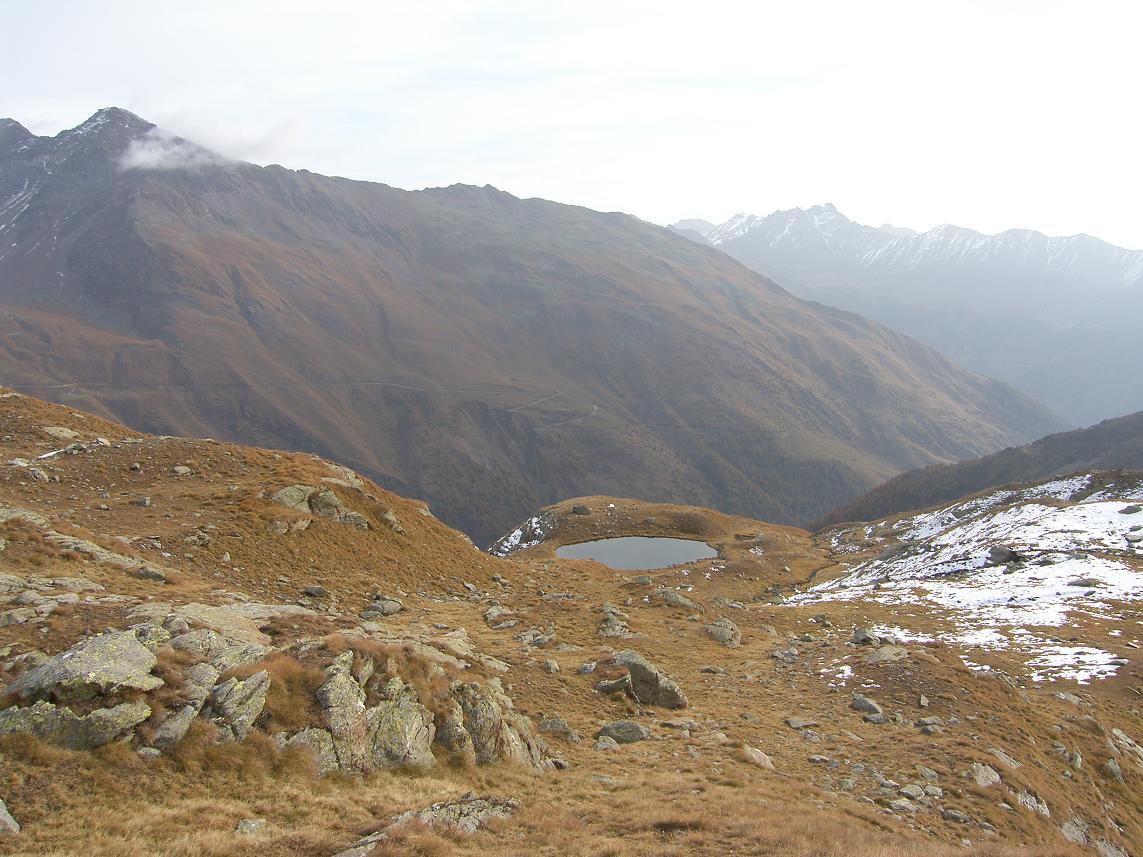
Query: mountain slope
{"x":486,"y":353}
{"x":1112,"y":444}
{"x":1054,"y":317}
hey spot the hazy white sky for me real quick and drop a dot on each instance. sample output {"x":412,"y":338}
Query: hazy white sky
{"x":989,"y":115}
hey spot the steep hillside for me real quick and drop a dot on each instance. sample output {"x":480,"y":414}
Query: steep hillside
{"x":1054,"y":317}
{"x":1112,"y":444}
{"x":210,"y":650}
{"x":486,"y":353}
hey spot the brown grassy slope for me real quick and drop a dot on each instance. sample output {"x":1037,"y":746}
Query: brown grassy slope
{"x":1111,"y":444}
{"x":685,"y":791}
{"x":487,"y":353}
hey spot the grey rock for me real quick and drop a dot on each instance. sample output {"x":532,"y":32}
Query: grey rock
{"x":800,"y":723}
{"x":319,"y":743}
{"x":984,"y":775}
{"x":316,"y":591}
{"x":674,"y":598}
{"x":498,"y":732}
{"x":1113,"y":771}
{"x":724,"y":631}
{"x":1004,"y":759}
{"x":250,"y":826}
{"x":955,"y":816}
{"x":649,"y":684}
{"x":756,"y":757}
{"x":1032,"y":802}
{"x":465,"y":815}
{"x":8,"y":825}
{"x":606,"y":742}
{"x":551,"y":667}
{"x":62,"y":726}
{"x":926,"y":772}
{"x":865,"y":637}
{"x":624,"y":732}
{"x":913,"y":791}
{"x":865,"y":705}
{"x":452,"y":735}
{"x":559,"y":727}
{"x":106,"y":663}
{"x":580,"y":510}
{"x":236,"y":704}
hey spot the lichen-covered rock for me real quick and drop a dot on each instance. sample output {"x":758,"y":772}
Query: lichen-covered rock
{"x":8,"y":825}
{"x":466,"y":814}
{"x":320,"y":743}
{"x":106,"y":663}
{"x":294,"y":496}
{"x":451,"y":734}
{"x":649,"y":684}
{"x":199,"y":680}
{"x":401,"y":729}
{"x":236,"y":704}
{"x":497,"y":732}
{"x":62,"y":726}
{"x":398,"y":732}
{"x":724,"y":631}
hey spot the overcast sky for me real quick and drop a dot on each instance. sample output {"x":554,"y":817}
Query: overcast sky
{"x":989,"y":115}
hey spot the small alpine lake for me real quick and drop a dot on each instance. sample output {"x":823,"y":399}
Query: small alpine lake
{"x":631,"y":553}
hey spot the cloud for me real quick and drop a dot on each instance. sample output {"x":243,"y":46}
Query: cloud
{"x":160,"y":150}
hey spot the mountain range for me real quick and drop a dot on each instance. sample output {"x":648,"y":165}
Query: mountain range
{"x":1110,"y":445}
{"x":1058,"y":318}
{"x":486,"y":353}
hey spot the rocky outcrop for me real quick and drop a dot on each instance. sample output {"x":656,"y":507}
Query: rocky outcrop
{"x":651,"y":685}
{"x":498,"y":732}
{"x":62,"y":726}
{"x":107,"y":663}
{"x":199,"y":680}
{"x":396,"y":733}
{"x":466,"y":814}
{"x":236,"y":704}
{"x":321,"y":501}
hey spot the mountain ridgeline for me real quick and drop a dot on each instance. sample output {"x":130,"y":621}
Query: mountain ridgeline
{"x":1111,"y":445}
{"x":1057,"y":318}
{"x":485,"y":353}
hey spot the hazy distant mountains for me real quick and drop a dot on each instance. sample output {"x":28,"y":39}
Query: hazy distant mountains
{"x":488,"y":354}
{"x":1059,"y":318}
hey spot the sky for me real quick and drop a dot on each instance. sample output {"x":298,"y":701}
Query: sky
{"x":990,"y":115}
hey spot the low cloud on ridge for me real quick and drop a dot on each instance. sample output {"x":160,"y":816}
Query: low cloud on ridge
{"x":161,"y":150}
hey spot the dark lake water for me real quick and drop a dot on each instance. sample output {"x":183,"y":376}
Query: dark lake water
{"x":639,"y":552}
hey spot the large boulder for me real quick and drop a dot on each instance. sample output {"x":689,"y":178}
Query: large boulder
{"x":398,"y":732}
{"x":106,"y":663}
{"x":649,"y":684}
{"x":498,"y":732}
{"x":624,"y":731}
{"x":62,"y":726}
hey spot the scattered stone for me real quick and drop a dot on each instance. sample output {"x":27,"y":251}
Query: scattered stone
{"x":624,"y":732}
{"x":181,"y":470}
{"x":586,"y":668}
{"x":1032,"y":802}
{"x":615,"y":685}
{"x":1113,"y":771}
{"x":724,"y":631}
{"x":8,"y":825}
{"x":955,"y":816}
{"x":614,"y":622}
{"x":551,"y":667}
{"x":674,"y":598}
{"x":926,"y":773}
{"x":606,"y":742}
{"x":1006,"y":760}
{"x":886,"y":654}
{"x":649,"y":684}
{"x":983,"y":775}
{"x":712,"y":670}
{"x":756,"y":757}
{"x":250,"y":826}
{"x":579,"y":509}
{"x":466,"y":815}
{"x":865,"y":637}
{"x":865,"y":704}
